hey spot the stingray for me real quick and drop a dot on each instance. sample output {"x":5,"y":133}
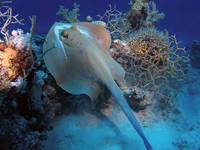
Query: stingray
{"x":77,"y":57}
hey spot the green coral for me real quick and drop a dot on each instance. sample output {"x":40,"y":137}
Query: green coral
{"x":138,"y":4}
{"x":144,"y":14}
{"x":69,"y":16}
{"x":153,"y":15}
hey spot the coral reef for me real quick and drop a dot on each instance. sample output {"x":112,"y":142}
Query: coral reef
{"x":18,"y":130}
{"x":14,"y":53}
{"x":25,"y":113}
{"x":143,"y":14}
{"x":30,"y":99}
{"x":14,"y":59}
{"x":16,"y":134}
{"x":137,"y":98}
{"x":153,"y":61}
{"x":153,"y":15}
{"x":137,"y":13}
{"x":22,"y":126}
{"x":116,"y":21}
{"x":138,"y":4}
{"x":7,"y":18}
{"x":69,"y":15}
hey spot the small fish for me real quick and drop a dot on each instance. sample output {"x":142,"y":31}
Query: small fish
{"x":80,"y":63}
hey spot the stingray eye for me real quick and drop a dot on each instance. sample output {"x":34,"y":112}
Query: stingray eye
{"x":65,"y":34}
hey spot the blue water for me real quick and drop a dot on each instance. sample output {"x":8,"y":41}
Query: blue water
{"x":182,"y":16}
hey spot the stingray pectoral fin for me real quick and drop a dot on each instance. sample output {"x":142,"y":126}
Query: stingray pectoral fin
{"x":98,"y":32}
{"x":118,"y":94}
{"x":116,"y":69}
{"x":76,"y":85}
{"x":118,"y":73}
{"x":54,"y":54}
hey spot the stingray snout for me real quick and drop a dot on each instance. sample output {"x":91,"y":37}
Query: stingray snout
{"x":65,"y":34}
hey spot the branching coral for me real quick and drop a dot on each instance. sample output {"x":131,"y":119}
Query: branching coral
{"x":69,"y":15}
{"x":152,"y":60}
{"x":150,"y":57}
{"x":15,"y":59}
{"x":144,"y":14}
{"x":7,"y":18}
{"x":116,"y":21}
{"x":15,"y":50}
{"x":153,"y":15}
{"x":138,"y":4}
{"x":13,"y":64}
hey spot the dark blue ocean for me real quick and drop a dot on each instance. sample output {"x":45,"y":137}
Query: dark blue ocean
{"x":182,"y":17}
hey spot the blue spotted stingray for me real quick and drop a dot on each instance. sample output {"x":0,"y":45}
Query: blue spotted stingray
{"x":77,"y":57}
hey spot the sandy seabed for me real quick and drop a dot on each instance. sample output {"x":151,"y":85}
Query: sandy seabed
{"x":110,"y":130}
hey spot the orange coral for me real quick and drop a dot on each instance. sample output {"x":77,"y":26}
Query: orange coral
{"x":139,"y":47}
{"x":152,"y":61}
{"x":12,"y":64}
{"x":7,"y":57}
{"x":149,"y":51}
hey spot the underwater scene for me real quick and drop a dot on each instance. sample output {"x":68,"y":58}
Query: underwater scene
{"x":99,"y":75}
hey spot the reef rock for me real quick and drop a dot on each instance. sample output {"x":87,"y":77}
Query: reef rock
{"x":195,"y":55}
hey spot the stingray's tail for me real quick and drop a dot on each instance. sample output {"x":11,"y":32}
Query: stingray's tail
{"x":120,"y":99}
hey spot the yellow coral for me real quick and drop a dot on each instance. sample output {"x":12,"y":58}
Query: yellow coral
{"x":138,"y":47}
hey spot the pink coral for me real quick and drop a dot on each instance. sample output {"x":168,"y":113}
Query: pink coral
{"x":18,"y":39}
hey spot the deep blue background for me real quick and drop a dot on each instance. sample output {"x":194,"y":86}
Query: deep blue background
{"x":182,"y":16}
